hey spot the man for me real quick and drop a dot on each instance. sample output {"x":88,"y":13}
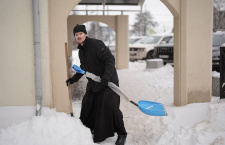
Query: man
{"x":100,"y":106}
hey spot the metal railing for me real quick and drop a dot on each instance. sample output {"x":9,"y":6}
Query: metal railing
{"x":104,"y":11}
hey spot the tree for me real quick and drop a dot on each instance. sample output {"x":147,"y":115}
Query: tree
{"x":219,"y":15}
{"x":144,"y":21}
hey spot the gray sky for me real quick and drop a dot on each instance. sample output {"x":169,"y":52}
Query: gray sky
{"x":159,"y":11}
{"x":161,"y":14}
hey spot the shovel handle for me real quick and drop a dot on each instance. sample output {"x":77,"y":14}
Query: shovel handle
{"x":133,"y":103}
{"x":115,"y":88}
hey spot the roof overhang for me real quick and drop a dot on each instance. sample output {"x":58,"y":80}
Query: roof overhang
{"x":112,"y":2}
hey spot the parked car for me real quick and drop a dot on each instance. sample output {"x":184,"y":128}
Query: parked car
{"x":112,"y":45}
{"x":134,"y":39}
{"x":165,"y":52}
{"x":218,"y":40}
{"x":143,"y":49}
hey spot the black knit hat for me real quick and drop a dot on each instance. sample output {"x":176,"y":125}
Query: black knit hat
{"x":79,"y":28}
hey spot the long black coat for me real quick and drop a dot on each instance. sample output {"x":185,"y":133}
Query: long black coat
{"x":100,"y":106}
{"x":96,"y":58}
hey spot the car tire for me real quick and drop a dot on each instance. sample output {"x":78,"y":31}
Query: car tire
{"x":149,"y":55}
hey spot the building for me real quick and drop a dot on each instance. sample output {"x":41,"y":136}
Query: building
{"x":192,"y":33}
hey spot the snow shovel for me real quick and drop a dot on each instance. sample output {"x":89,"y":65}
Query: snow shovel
{"x":147,"y":107}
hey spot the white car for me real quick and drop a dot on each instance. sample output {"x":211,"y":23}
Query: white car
{"x":134,"y":39}
{"x":143,"y":49}
{"x":112,"y":45}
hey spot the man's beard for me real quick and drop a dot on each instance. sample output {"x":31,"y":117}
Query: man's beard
{"x":81,"y":43}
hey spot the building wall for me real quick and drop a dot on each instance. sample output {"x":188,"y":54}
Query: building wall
{"x":58,"y":13}
{"x":17,"y":53}
{"x":192,"y":50}
{"x":45,"y":54}
{"x":199,"y":50}
{"x":192,"y":70}
{"x":122,"y":42}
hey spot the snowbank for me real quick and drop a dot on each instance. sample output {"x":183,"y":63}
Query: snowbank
{"x":193,"y":124}
{"x":215,"y":74}
{"x":207,"y":129}
{"x":52,"y":128}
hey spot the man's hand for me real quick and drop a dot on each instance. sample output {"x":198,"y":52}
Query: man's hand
{"x":74,"y":79}
{"x":68,"y":81}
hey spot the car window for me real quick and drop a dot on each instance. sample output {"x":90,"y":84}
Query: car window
{"x":132,"y":40}
{"x":171,"y":41}
{"x":218,"y":40}
{"x":150,"y":40}
{"x":166,"y":40}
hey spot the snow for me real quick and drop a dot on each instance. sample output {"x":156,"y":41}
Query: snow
{"x":215,"y":74}
{"x":219,"y":33}
{"x":193,"y":124}
{"x":52,"y":128}
{"x":155,"y":60}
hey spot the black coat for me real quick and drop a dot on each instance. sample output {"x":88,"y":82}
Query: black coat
{"x":100,"y":106}
{"x":96,"y":58}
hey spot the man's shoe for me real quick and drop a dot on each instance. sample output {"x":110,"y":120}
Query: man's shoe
{"x":121,"y":139}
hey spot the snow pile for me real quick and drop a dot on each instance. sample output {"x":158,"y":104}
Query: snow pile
{"x":162,"y":77}
{"x":209,"y":131}
{"x":137,"y":66}
{"x":215,"y":74}
{"x":51,"y":128}
{"x":193,"y":124}
{"x":219,"y":33}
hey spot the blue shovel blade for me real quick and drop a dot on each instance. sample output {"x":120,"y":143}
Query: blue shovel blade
{"x":151,"y":108}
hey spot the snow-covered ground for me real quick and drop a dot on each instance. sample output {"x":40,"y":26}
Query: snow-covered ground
{"x":193,"y":124}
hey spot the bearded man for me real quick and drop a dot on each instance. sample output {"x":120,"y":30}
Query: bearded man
{"x":100,"y":105}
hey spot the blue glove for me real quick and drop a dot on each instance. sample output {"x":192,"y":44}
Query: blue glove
{"x":78,"y":69}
